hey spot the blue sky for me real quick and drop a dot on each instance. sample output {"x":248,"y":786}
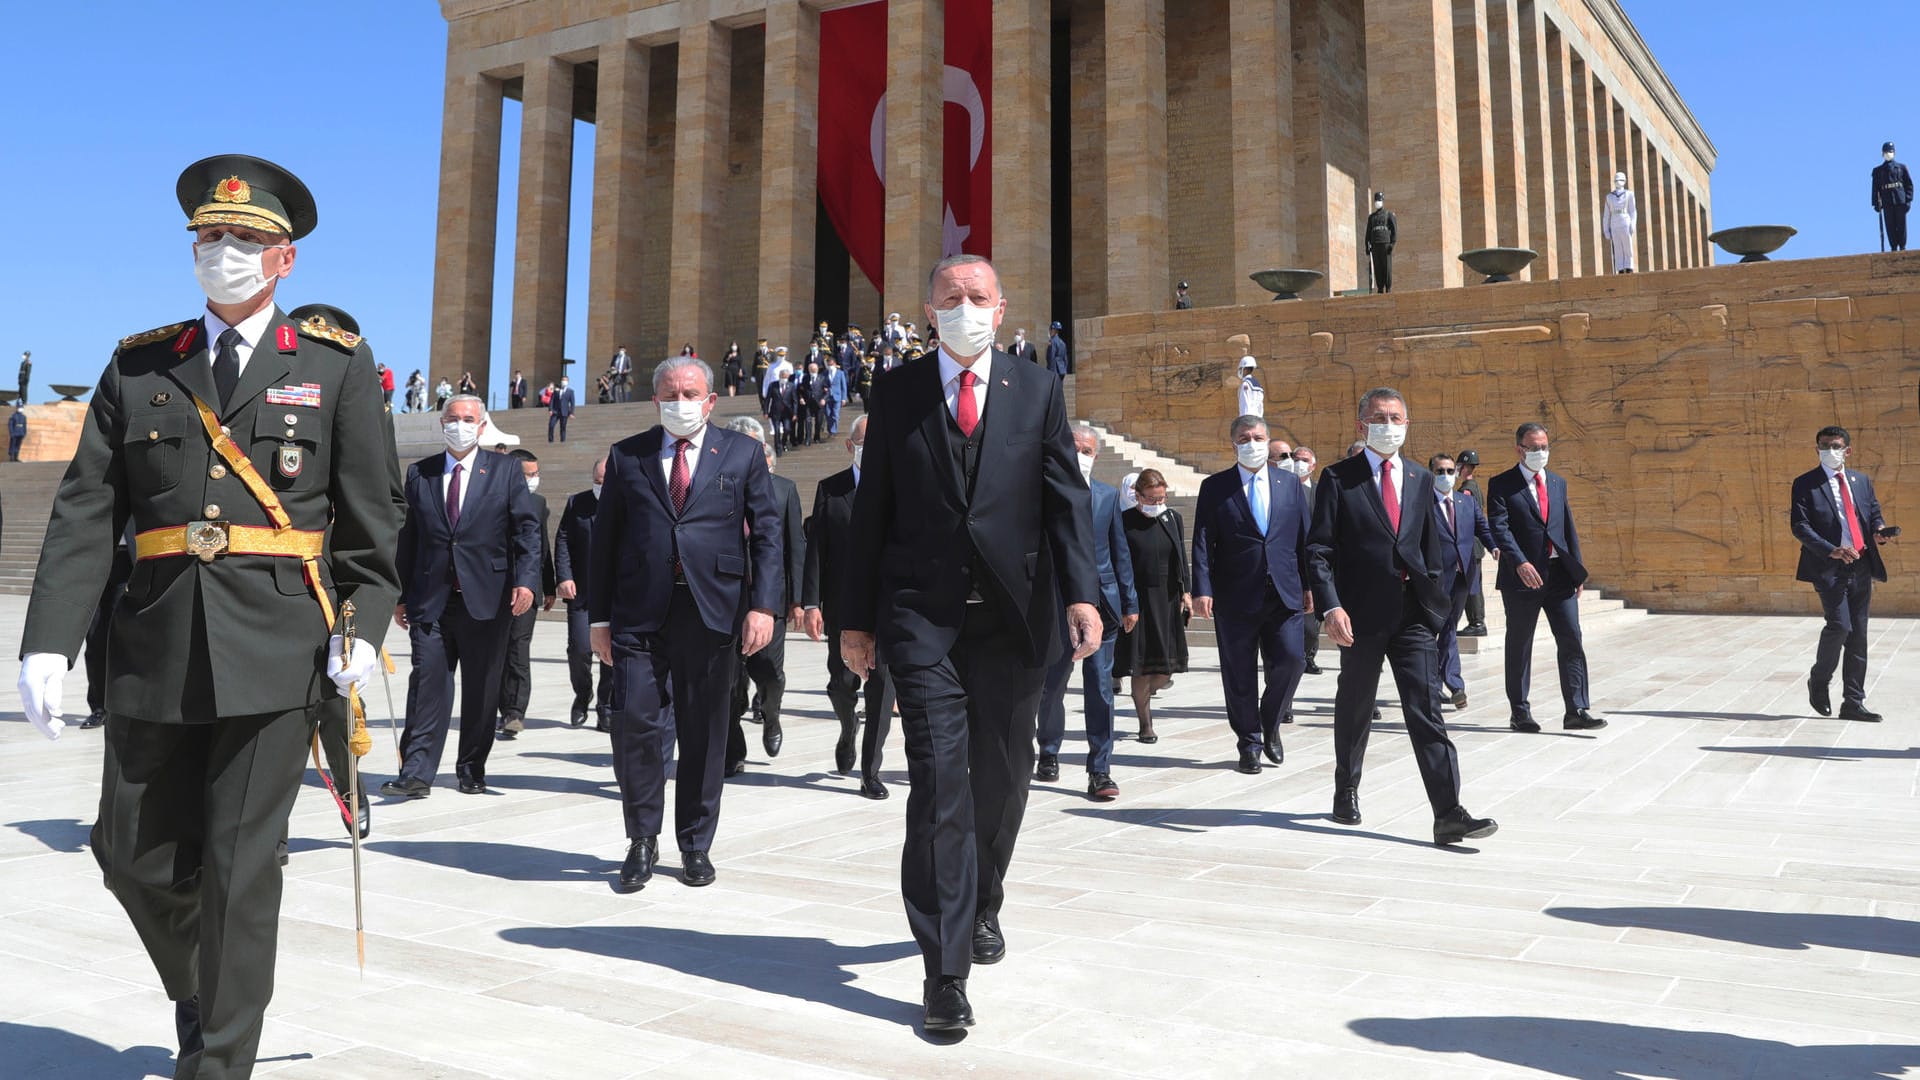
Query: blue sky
{"x":106,"y":100}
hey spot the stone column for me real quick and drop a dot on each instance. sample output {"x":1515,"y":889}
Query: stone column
{"x":1543,"y":203}
{"x":915,"y":152}
{"x":1643,"y":199}
{"x":702,"y":108}
{"x":1260,"y":56}
{"x":1136,"y":156}
{"x":1575,"y":209}
{"x":1586,"y":169}
{"x":1474,"y":89}
{"x":464,"y":240}
{"x":1669,"y":194}
{"x":616,"y":303}
{"x":540,"y":240}
{"x":1512,"y":223}
{"x":1412,"y":123}
{"x":1308,"y":218}
{"x":789,"y":173}
{"x":1023,"y":162}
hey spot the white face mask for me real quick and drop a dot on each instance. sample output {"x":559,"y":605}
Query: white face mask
{"x":533,"y":483}
{"x":1086,"y":466}
{"x":1251,"y":455}
{"x":229,"y":269}
{"x":596,"y":490}
{"x":1386,"y":439}
{"x":1153,"y":511}
{"x":1619,"y":183}
{"x":683,"y":418}
{"x":461,"y":435}
{"x":1833,"y":459}
{"x":1443,"y":483}
{"x":1536,"y":460}
{"x":1888,"y":155}
{"x":966,"y":329}
{"x":858,"y":453}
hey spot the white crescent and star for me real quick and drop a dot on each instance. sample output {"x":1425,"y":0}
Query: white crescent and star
{"x":958,"y":88}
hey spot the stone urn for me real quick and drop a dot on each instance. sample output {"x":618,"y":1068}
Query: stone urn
{"x":1498,"y":263}
{"x":68,"y":392}
{"x":1285,"y":284}
{"x":1753,"y":243}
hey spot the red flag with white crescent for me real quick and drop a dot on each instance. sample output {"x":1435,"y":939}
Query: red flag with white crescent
{"x":853,"y":89}
{"x":967,"y":219}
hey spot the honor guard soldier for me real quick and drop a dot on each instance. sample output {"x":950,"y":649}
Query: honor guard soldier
{"x":249,"y":454}
{"x":1892,"y":195}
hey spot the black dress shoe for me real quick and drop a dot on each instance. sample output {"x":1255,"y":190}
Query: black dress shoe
{"x":1272,"y":748}
{"x":473,"y":782}
{"x":186,"y":1026}
{"x":1286,"y":718}
{"x":406,"y":787}
{"x":362,"y":818}
{"x":1147,"y":738}
{"x":1249,"y":762}
{"x":1048,"y":767}
{"x":696,"y":869}
{"x":1101,"y":787}
{"x":1457,"y":825}
{"x":578,"y":717}
{"x":872,"y":788}
{"x":1460,"y":698}
{"x":1376,"y":712}
{"x":1311,"y":668}
{"x":604,"y":724}
{"x":843,"y":756}
{"x":988,"y":946}
{"x":1346,"y":807}
{"x":1858,"y":712}
{"x":946,"y":1001}
{"x":772,"y":737}
{"x":1524,"y":723}
{"x":1475,"y":630}
{"x":1818,"y":697}
{"x":1582,"y":720}
{"x":638,"y":868}
{"x":96,"y":718}
{"x":735,"y":768}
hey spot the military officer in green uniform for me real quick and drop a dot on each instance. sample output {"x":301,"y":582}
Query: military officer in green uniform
{"x":250,"y":456}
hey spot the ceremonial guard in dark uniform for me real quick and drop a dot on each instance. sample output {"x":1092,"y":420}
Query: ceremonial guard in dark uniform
{"x":1892,"y":194}
{"x":1383,"y":231}
{"x":250,"y":456}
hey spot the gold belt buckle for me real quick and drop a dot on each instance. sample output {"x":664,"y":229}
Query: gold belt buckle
{"x":206,"y":539}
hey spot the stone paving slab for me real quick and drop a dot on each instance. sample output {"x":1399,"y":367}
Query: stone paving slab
{"x":1717,"y":885}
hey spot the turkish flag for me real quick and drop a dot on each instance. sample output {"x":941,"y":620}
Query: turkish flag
{"x":967,"y":222}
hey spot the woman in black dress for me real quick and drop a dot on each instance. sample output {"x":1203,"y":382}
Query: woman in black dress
{"x":1157,"y":648}
{"x":733,"y":372}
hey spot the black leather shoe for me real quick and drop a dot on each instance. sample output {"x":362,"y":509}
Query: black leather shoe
{"x":1249,"y":762}
{"x":362,"y":819}
{"x":406,"y":788}
{"x":1526,"y":724}
{"x":1311,"y":669}
{"x":186,"y":1026}
{"x":772,"y":737}
{"x":638,"y":868}
{"x":843,"y":756}
{"x":946,"y":1002}
{"x":1376,"y":712}
{"x":1048,"y":767}
{"x":578,"y":717}
{"x":872,"y":788}
{"x":1460,"y":698}
{"x":1457,"y":825}
{"x":1818,"y":698}
{"x":696,"y":869}
{"x":988,"y":946}
{"x":1475,"y":630}
{"x":1286,"y":718}
{"x":1582,"y":720}
{"x":473,"y":782}
{"x":1346,"y":807}
{"x":1147,"y":739}
{"x":735,"y":768}
{"x":1858,"y":712}
{"x":1274,"y":751}
{"x":1100,"y":787}
{"x":96,"y":718}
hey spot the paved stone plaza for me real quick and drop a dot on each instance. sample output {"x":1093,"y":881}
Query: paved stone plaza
{"x":1716,"y":886}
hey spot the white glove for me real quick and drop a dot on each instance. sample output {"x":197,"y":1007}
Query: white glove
{"x":41,"y":674}
{"x":353,"y":675}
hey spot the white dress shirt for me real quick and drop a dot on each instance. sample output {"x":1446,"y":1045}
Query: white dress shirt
{"x":950,"y":370}
{"x":1399,"y":476}
{"x":667,"y":441}
{"x":1834,"y":480}
{"x":446,"y":474}
{"x":1533,"y":496}
{"x":251,"y":328}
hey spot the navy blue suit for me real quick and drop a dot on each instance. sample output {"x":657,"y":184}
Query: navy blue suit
{"x":1117,"y":601}
{"x":572,"y":558}
{"x":1462,"y":573}
{"x":1257,"y":583}
{"x":1059,"y":360}
{"x":674,"y":590}
{"x":1845,"y":589}
{"x":456,"y":583}
{"x":559,"y":411}
{"x":1553,"y":547}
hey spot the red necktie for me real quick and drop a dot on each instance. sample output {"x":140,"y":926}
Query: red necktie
{"x":453,"y":499}
{"x":1389,"y":496}
{"x":1853,"y":518}
{"x":680,"y":482}
{"x":965,"y":409}
{"x":1540,"y":493}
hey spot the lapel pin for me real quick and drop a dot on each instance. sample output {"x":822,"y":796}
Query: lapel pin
{"x":162,"y":398}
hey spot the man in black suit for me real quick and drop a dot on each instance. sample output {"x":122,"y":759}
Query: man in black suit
{"x":516,"y":678}
{"x":469,"y":561}
{"x":1022,"y":349}
{"x":812,"y":389}
{"x":1837,"y":521}
{"x":970,"y":506}
{"x":829,"y":536}
{"x":572,"y":556}
{"x":1249,"y":565}
{"x":1376,"y":556}
{"x":517,"y":391}
{"x":559,"y":409}
{"x":1540,"y":572}
{"x":783,"y":409}
{"x":766,"y":670}
{"x":686,"y":578}
{"x":1462,"y":524}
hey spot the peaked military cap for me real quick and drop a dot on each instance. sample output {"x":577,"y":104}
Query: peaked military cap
{"x":234,"y":189}
{"x":1886,"y":148}
{"x":331,"y":314}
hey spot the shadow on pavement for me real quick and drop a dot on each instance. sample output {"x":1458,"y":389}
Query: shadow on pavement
{"x":509,"y":862}
{"x":46,"y":1053}
{"x":1195,"y":821}
{"x":1821,"y":753}
{"x":1772,"y":929}
{"x":65,"y":835}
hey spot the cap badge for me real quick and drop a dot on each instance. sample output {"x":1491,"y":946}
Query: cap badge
{"x":162,"y":398}
{"x":233,"y":190}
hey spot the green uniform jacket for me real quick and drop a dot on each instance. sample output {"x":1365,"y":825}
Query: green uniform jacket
{"x":242,"y":635}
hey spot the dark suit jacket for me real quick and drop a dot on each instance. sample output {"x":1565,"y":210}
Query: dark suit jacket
{"x":495,"y":549}
{"x":1230,"y":557}
{"x":1059,"y":359}
{"x":1515,"y":520}
{"x":635,"y":534}
{"x":782,"y":401}
{"x":549,"y":578}
{"x":813,"y":390}
{"x":561,"y":403}
{"x":1111,"y":556}
{"x":1025,"y":353}
{"x":829,"y":534}
{"x":1470,"y":523}
{"x":1356,"y":560}
{"x":573,"y":543}
{"x":518,"y":388}
{"x":1816,"y":518}
{"x":1887,"y":172}
{"x":916,"y":537}
{"x":793,"y":543}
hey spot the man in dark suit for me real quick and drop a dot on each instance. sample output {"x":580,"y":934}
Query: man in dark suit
{"x":766,"y":670}
{"x":516,"y":677}
{"x":1119,"y":612}
{"x":1059,"y":358}
{"x":812,"y":390}
{"x":1249,"y":568}
{"x":829,"y":536}
{"x":1476,"y":609}
{"x":783,"y":409}
{"x":517,"y":391}
{"x":572,"y":558}
{"x":1837,"y":521}
{"x":1377,"y":554}
{"x":1462,"y":523}
{"x":16,"y":430}
{"x":1540,"y":572}
{"x":559,"y":409}
{"x":969,"y":509}
{"x":1022,"y":349}
{"x":469,"y":562}
{"x":686,"y":578}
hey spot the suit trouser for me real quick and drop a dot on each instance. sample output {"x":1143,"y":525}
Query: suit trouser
{"x":1449,"y":643}
{"x":580,"y":662}
{"x":1411,"y":651}
{"x":843,"y":690}
{"x":561,"y":420}
{"x":1896,"y":235}
{"x":516,"y":675}
{"x":474,"y":646}
{"x":767,"y":670}
{"x":968,"y":722}
{"x":1096,"y":686}
{"x":1557,"y":598}
{"x":191,"y":818}
{"x":682,"y":675}
{"x":1270,"y":633}
{"x":117,"y":576}
{"x":1476,"y":608}
{"x":1846,"y":603}
{"x":1382,"y":268}
{"x":833,"y":417}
